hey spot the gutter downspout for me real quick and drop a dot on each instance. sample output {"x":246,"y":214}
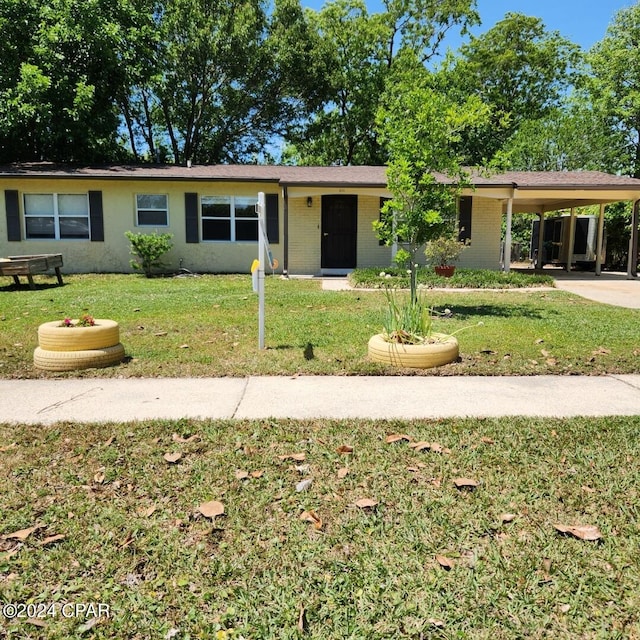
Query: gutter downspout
{"x":506,"y":258}
{"x":285,"y":232}
{"x":600,"y":241}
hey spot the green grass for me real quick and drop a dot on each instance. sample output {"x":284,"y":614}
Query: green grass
{"x":462,"y":278}
{"x":208,"y":326}
{"x":134,"y":540}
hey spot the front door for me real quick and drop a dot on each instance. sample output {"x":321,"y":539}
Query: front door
{"x":339,"y":232}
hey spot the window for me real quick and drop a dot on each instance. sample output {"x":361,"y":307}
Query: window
{"x":151,"y":210}
{"x":229,"y":219}
{"x":56,"y":216}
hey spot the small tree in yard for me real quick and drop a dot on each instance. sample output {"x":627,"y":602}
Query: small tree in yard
{"x":420,"y":127}
{"x":148,"y":249}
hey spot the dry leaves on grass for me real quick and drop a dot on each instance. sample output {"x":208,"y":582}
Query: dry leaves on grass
{"x":343,"y":472}
{"x":172,"y":458}
{"x":582,"y":532}
{"x":298,"y":457}
{"x":366,"y":503}
{"x":22,"y":534}
{"x":398,"y":437}
{"x":445,"y":562}
{"x":466,"y":483}
{"x":345,"y":448}
{"x":211,"y":509}
{"x":182,"y":440}
{"x":313,"y":518}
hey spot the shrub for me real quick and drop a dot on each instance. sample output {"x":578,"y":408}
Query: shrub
{"x":148,"y":249}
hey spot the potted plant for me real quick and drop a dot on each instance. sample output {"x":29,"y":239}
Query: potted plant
{"x":442,"y":251}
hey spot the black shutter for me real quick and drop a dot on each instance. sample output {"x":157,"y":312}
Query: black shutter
{"x":96,"y":216}
{"x":382,"y":201}
{"x":12,"y":207}
{"x":273,"y":228}
{"x":191,"y":217}
{"x":464,"y":219}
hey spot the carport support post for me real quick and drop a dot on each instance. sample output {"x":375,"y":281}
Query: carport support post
{"x":632,"y":262}
{"x":572,"y":238}
{"x":539,"y":264}
{"x":506,"y":258}
{"x":600,"y":241}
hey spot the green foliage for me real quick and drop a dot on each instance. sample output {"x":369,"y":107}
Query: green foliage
{"x":148,"y":249}
{"x":376,"y":278}
{"x":444,"y":250}
{"x":517,"y":68}
{"x":423,"y":206}
{"x":407,"y":321}
{"x":402,"y":258}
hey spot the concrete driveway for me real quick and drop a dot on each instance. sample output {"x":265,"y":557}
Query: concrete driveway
{"x":610,"y":288}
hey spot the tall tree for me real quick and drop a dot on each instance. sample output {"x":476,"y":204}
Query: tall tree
{"x":614,"y":85}
{"x":61,"y":69}
{"x":517,"y":68}
{"x":359,"y":51}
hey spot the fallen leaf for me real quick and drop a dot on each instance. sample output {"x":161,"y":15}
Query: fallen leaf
{"x":211,"y":509}
{"x":160,"y":333}
{"x":302,"y":619}
{"x":565,"y":608}
{"x":36,"y":622}
{"x":52,"y":539}
{"x":435,"y":623}
{"x":342,"y":473}
{"x":583,"y":532}
{"x":178,"y":438}
{"x":109,"y":441}
{"x":257,"y":474}
{"x":172,"y":458}
{"x":303,"y":485}
{"x":420,"y":446}
{"x":507,"y":517}
{"x":539,"y":341}
{"x":345,"y":448}
{"x":444,"y":562}
{"x":465,"y":483}
{"x":298,"y":457}
{"x":601,"y":351}
{"x":13,"y":445}
{"x":183,"y":346}
{"x":397,"y":437}
{"x":366,"y":503}
{"x":552,"y":362}
{"x":87,"y":626}
{"x":487,"y":440}
{"x":146,"y":512}
{"x":312,"y":516}
{"x":545,"y":353}
{"x":302,"y":468}
{"x":241,"y":475}
{"x":99,"y":477}
{"x":23,"y":534}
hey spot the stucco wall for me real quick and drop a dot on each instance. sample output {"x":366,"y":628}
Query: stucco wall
{"x":119,"y":205}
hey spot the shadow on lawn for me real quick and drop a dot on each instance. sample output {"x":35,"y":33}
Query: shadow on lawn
{"x":511,"y":310}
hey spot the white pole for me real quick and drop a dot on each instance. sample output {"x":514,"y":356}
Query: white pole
{"x":600,"y":241}
{"x":261,"y":260}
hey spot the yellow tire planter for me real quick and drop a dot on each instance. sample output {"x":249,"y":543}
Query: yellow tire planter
{"x":443,"y":350}
{"x":53,"y":337}
{"x":72,"y":360}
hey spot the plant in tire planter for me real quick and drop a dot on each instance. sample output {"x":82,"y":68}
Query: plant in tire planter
{"x":441,"y":252}
{"x":408,"y":339}
{"x":80,"y":343}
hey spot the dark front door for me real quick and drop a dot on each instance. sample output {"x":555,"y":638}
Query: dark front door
{"x":339,"y":237}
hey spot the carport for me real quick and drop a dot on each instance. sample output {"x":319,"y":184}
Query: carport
{"x":543,"y":192}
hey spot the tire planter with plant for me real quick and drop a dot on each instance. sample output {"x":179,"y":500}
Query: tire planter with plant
{"x":78,"y":344}
{"x":439,"y":350}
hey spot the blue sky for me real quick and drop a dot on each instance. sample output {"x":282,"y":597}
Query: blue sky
{"x":581,"y":21}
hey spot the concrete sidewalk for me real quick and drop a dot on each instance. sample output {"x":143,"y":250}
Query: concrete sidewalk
{"x":117,"y":399}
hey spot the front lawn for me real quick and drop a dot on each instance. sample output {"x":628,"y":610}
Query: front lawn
{"x":208,"y":326}
{"x":329,"y":529}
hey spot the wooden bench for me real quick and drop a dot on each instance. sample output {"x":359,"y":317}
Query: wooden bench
{"x":16,"y":266}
